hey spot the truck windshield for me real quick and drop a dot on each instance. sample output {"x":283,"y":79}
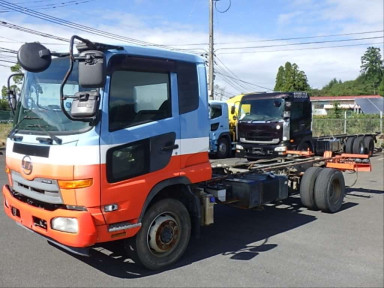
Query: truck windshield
{"x":39,"y":107}
{"x":261,"y":110}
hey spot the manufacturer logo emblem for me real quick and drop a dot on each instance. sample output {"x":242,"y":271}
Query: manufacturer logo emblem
{"x":26,"y":164}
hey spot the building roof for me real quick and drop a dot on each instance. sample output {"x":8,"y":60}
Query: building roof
{"x":371,"y":105}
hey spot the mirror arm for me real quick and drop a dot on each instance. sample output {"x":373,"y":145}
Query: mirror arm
{"x":9,"y":91}
{"x":71,"y":60}
{"x":62,"y":97}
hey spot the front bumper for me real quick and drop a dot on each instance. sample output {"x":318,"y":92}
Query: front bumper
{"x":39,"y":220}
{"x":252,"y":151}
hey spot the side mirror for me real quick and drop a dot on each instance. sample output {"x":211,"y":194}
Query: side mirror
{"x":287,"y":114}
{"x":92,"y":69}
{"x":85,"y":104}
{"x":233,"y":110}
{"x":288,"y":105}
{"x":34,"y":57}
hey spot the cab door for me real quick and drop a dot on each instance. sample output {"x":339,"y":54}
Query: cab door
{"x":140,"y":133}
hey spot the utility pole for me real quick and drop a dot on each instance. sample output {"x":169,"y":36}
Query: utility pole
{"x":210,"y":53}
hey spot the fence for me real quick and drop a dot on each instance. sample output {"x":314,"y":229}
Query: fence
{"x":346,"y":125}
{"x":5,"y":116}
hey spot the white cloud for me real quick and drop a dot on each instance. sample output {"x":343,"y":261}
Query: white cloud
{"x":287,"y":18}
{"x":368,"y":12}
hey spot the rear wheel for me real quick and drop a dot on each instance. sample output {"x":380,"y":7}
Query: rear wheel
{"x":369,"y":146}
{"x":349,"y":144}
{"x":163,"y":237}
{"x":358,"y":145}
{"x":307,"y":186}
{"x":329,"y":190}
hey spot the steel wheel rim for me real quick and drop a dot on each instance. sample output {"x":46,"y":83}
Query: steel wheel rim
{"x":222,"y":147}
{"x":163,"y":234}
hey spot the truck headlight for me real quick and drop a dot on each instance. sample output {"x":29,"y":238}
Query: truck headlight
{"x":281,"y":149}
{"x":239,"y":147}
{"x":286,"y":132}
{"x":65,"y":224}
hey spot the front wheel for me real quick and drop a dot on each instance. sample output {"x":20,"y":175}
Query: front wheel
{"x":163,"y":237}
{"x":222,"y":148}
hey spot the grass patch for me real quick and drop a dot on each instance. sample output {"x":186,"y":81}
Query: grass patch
{"x":4,"y":130}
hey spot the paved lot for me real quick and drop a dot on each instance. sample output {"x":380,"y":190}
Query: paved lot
{"x":283,"y":246}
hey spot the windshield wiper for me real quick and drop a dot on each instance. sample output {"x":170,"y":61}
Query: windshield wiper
{"x":14,"y":130}
{"x":51,"y":136}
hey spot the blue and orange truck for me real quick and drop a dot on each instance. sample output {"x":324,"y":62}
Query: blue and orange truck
{"x":110,"y":143}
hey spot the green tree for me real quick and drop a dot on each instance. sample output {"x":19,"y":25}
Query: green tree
{"x":15,"y":87}
{"x":381,"y":87}
{"x":337,"y":110}
{"x":288,"y":77}
{"x":279,"y":79}
{"x":372,"y":67}
{"x":291,"y":78}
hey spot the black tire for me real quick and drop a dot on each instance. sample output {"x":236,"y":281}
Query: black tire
{"x":163,"y":237}
{"x":369,"y":145}
{"x":307,"y":186}
{"x":329,"y":190}
{"x":222,"y":148}
{"x":358,"y":145}
{"x":349,"y":145}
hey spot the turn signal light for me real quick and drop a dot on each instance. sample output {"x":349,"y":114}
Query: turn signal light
{"x":75,"y":184}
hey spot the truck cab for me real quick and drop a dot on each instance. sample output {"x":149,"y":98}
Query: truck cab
{"x":100,"y":139}
{"x":220,"y":144}
{"x":269,"y":124}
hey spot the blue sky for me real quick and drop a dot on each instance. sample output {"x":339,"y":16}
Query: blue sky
{"x":267,"y":26}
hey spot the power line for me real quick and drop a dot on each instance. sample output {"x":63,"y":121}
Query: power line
{"x":7,"y":56}
{"x":299,"y":43}
{"x":228,"y":80}
{"x":235,"y":77}
{"x":73,"y":25}
{"x":6,"y":61}
{"x":304,"y":37}
{"x":225,"y":10}
{"x":299,"y":49}
{"x":230,"y":72}
{"x":20,"y":28}
{"x":6,"y":50}
{"x":51,"y":5}
{"x":281,"y":39}
{"x":249,"y":83}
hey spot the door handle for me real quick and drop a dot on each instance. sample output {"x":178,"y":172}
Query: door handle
{"x":169,"y":148}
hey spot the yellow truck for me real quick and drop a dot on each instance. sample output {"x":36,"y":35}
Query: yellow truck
{"x":233,"y":109}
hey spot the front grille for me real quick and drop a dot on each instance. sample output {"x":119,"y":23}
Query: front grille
{"x":36,"y":203}
{"x":38,"y":190}
{"x":252,"y":136}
